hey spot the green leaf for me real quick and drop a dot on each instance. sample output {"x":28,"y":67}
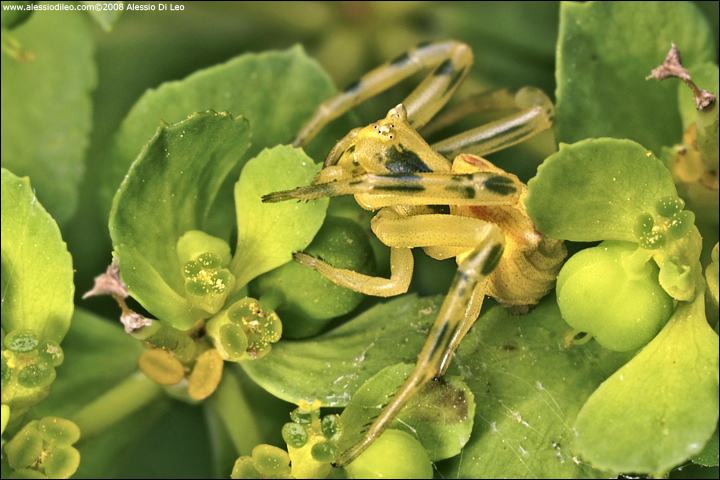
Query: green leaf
{"x":440,"y":415}
{"x":268,"y":234}
{"x":106,"y":18}
{"x":605,"y":51}
{"x":595,"y":189}
{"x":275,"y":91}
{"x":46,"y":108}
{"x":528,"y":389}
{"x":333,"y":366}
{"x":664,"y":403}
{"x":37,"y":273}
{"x":169,"y":191}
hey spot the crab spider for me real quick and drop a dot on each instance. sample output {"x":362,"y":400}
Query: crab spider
{"x":466,"y":208}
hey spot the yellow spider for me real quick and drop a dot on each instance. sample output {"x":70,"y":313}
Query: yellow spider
{"x":467,"y":208}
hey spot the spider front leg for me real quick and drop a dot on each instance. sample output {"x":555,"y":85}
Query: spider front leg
{"x":458,"y":312}
{"x":377,"y":190}
{"x":451,"y":60}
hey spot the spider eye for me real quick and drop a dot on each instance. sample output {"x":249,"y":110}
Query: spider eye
{"x":375,"y":127}
{"x":390,"y":136}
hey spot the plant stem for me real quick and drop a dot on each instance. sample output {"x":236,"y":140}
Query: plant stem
{"x":233,"y":409}
{"x":113,"y":406}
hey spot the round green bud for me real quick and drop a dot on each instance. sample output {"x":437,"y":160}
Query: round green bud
{"x":395,"y":454}
{"x":61,"y":462}
{"x":271,"y":461}
{"x":25,"y":447}
{"x":325,"y":451}
{"x":644,"y":224}
{"x":242,"y":311}
{"x":221,"y":281}
{"x":245,"y":468}
{"x":271,"y":327}
{"x":209,"y":260}
{"x":311,"y":301}
{"x":331,"y":427}
{"x":50,"y":352}
{"x":22,"y":341}
{"x":621,"y":309}
{"x":294,"y":435}
{"x":680,"y":224}
{"x":669,"y":206}
{"x":36,"y":375}
{"x":300,"y":416}
{"x":197,"y":286}
{"x":58,"y":431}
{"x":233,"y":340}
{"x":191,"y":269}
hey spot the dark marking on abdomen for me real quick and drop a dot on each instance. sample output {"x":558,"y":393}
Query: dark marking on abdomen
{"x":501,"y":185}
{"x":463,"y":190}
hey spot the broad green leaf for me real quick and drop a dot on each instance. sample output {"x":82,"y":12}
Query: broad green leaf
{"x":107,"y":15}
{"x":170,"y":190}
{"x":663,"y":404}
{"x":268,"y":234}
{"x":275,"y":91}
{"x":605,"y":51}
{"x":528,"y":389}
{"x":440,"y":415}
{"x":46,"y":110}
{"x":37,"y":273}
{"x":333,"y":366}
{"x":595,"y":189}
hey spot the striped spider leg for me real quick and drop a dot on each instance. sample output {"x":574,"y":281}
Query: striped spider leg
{"x":467,"y":208}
